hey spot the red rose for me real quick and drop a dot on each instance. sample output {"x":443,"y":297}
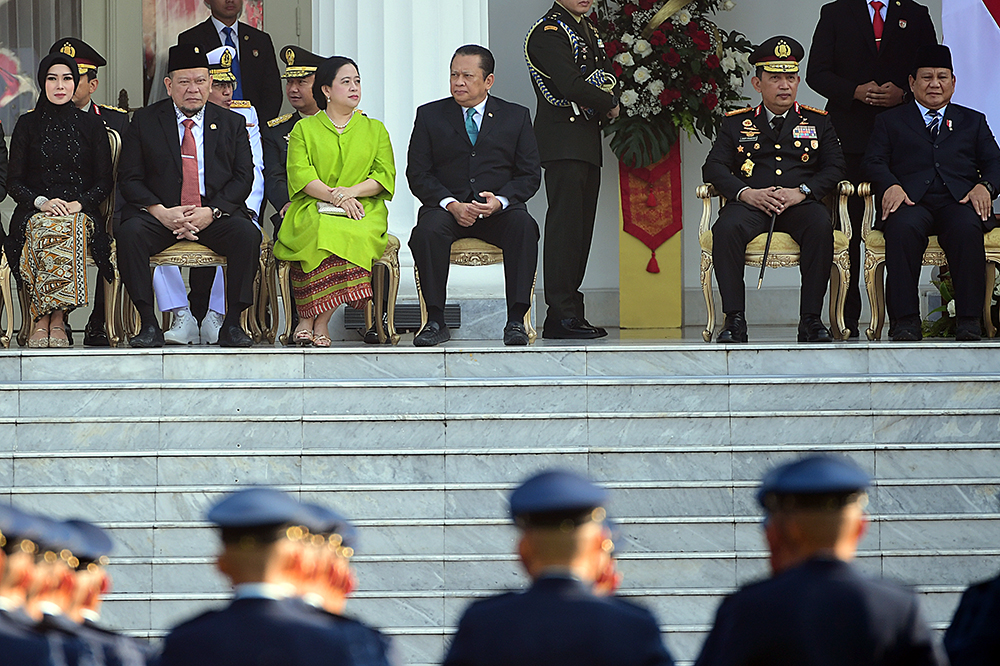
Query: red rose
{"x":710,"y":100}
{"x":712,"y":61}
{"x":668,"y":97}
{"x":613,"y":48}
{"x":630,"y":9}
{"x":712,"y":83}
{"x":691,"y":28}
{"x":618,"y":69}
{"x":658,"y":39}
{"x":666,"y":26}
{"x":672,"y":58}
{"x":701,"y":40}
{"x":695,"y":82}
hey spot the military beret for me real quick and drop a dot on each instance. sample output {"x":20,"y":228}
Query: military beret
{"x":933,"y":55}
{"x":87,"y":59}
{"x":324,"y":520}
{"x":299,"y":63}
{"x":220,"y":64}
{"x":15,"y":525}
{"x":827,"y":480}
{"x":778,"y":54}
{"x":186,"y":56}
{"x":90,"y":542}
{"x":556,"y":496}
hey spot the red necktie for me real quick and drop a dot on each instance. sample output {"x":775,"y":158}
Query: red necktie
{"x":190,"y":189}
{"x":877,"y":22}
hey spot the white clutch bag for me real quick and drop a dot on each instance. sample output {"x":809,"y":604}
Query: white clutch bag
{"x":327,"y":208}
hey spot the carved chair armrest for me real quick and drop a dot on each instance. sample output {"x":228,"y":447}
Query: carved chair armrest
{"x":868,"y":219}
{"x":844,"y":190}
{"x":706,"y":192}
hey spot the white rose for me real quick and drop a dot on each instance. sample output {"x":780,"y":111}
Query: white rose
{"x":655,"y":87}
{"x":743,"y":59}
{"x":625,"y":59}
{"x":728,"y":63}
{"x":728,"y":5}
{"x":627,"y":39}
{"x":735,"y":81}
{"x":951,"y":308}
{"x":642,"y":48}
{"x":629,"y":97}
{"x":683,"y":17}
{"x":642,"y":75}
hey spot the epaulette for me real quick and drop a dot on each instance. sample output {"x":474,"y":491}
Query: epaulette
{"x":113,"y":108}
{"x":274,"y":122}
{"x":738,"y":111}
{"x":813,"y":108}
{"x":240,"y":104}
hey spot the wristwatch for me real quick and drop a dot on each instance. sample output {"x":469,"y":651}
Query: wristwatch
{"x":804,"y":189}
{"x":216,"y":213}
{"x":989,"y":188}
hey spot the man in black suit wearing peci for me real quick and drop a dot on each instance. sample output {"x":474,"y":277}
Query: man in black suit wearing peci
{"x":255,"y":67}
{"x":473,"y":163}
{"x":860,"y":58}
{"x":185,"y":172}
{"x":936,"y":167}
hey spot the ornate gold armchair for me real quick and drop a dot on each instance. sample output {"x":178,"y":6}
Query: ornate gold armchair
{"x":385,"y":275}
{"x":784,"y":253}
{"x":475,"y":252}
{"x":107,"y":209}
{"x":933,"y":256}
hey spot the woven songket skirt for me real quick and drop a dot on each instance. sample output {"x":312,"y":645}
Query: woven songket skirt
{"x":334,"y":281}
{"x":54,"y":262}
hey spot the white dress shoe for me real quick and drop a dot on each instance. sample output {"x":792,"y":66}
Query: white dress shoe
{"x":184,"y":330}
{"x":210,"y":327}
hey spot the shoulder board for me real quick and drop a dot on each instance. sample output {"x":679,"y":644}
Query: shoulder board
{"x":739,"y":111}
{"x":274,"y":122}
{"x":814,"y":109}
{"x":113,"y":108}
{"x":241,"y":104}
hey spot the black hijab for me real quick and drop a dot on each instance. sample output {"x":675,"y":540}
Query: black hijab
{"x":44,"y":66}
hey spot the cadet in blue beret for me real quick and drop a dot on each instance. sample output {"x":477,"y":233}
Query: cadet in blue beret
{"x":816,"y":608}
{"x":972,"y":638}
{"x":559,"y":620}
{"x":19,"y":644}
{"x":262,"y":530}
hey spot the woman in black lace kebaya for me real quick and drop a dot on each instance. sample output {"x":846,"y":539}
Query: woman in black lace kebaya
{"x":60,"y":172}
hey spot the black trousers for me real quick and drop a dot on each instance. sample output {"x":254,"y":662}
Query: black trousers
{"x":236,"y":238}
{"x":513,"y":230}
{"x":572,"y":188}
{"x":808,"y":224}
{"x":960,"y":232}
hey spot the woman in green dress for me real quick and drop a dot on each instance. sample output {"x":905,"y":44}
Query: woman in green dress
{"x":341,"y":157}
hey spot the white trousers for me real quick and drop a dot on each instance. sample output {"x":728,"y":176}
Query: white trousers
{"x":168,"y":284}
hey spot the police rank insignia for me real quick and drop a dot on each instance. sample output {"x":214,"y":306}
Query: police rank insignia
{"x":289,"y":57}
{"x":227,"y":59}
{"x":68,"y":50}
{"x":804,"y":132}
{"x":747,"y":122}
{"x":747,"y":168}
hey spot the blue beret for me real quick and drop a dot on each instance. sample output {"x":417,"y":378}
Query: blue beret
{"x":325,"y":520}
{"x":814,"y":475}
{"x":257,"y":507}
{"x":52,"y":534}
{"x":15,"y":524}
{"x":91,"y":543}
{"x":556,"y":494}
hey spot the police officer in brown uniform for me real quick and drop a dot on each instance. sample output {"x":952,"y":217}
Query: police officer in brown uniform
{"x":779,"y":158}
{"x":576,"y":92}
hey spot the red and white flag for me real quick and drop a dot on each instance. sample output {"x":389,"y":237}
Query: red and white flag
{"x":972,"y":32}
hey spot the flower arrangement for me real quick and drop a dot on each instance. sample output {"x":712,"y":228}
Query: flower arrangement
{"x":683,"y":73}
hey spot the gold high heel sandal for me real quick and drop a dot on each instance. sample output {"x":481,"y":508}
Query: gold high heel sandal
{"x":58,"y":342}
{"x":39,"y":343}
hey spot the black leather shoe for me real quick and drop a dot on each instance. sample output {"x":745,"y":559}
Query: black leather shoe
{"x":735,"y":329}
{"x":234,"y":336}
{"x":94,"y":334}
{"x":514,"y":334}
{"x":432,"y":334}
{"x":371,"y":335}
{"x":967,"y":329}
{"x":149,"y":337}
{"x":906,"y":329}
{"x":572,"y":328}
{"x":811,"y":329}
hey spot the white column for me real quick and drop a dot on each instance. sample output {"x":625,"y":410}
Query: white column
{"x":403,"y":50}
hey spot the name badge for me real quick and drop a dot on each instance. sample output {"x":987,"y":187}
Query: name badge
{"x":804,"y":132}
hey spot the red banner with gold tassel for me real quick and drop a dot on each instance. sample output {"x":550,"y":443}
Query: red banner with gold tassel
{"x":652,"y":205}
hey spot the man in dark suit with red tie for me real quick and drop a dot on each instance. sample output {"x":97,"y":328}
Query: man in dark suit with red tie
{"x":860,"y":58}
{"x":255,"y":66}
{"x":185,"y":172}
{"x":473,"y":163}
{"x":936,"y":167}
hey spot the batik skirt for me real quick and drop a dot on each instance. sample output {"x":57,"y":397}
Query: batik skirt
{"x":54,"y":262}
{"x":334,"y":281}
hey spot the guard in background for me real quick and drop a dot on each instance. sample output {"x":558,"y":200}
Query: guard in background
{"x":19,"y":643}
{"x":777,"y":159}
{"x":817,"y":609}
{"x":576,"y":92}
{"x":559,"y":620}
{"x":972,"y":638}
{"x":88,"y":60}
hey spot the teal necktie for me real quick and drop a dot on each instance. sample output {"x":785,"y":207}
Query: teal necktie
{"x":470,"y":125}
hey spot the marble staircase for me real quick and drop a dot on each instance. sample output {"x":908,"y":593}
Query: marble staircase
{"x":422,"y":446}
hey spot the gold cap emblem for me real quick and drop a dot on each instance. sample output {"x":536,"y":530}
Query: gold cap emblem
{"x":197,"y":50}
{"x":68,"y":50}
{"x":290,"y":57}
{"x":782,"y":50}
{"x":227,"y":58}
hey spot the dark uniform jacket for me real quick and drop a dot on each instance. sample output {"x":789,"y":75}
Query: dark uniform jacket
{"x":19,"y":645}
{"x":902,"y":152}
{"x":557,"y":622}
{"x":442,"y":162}
{"x":258,"y":66}
{"x":843,"y":56}
{"x":562,"y":133}
{"x":821,"y":613}
{"x":973,"y":638}
{"x":747,"y":153}
{"x":275,"y":144}
{"x":150,"y":170}
{"x":367,"y":646}
{"x":118,"y":649}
